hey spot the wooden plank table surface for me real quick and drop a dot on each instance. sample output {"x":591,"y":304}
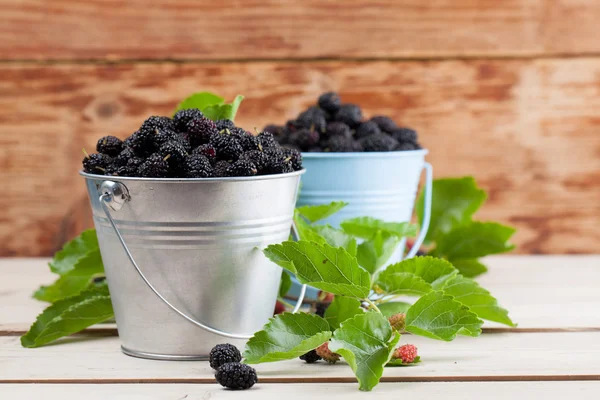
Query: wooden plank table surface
{"x":554,"y":350}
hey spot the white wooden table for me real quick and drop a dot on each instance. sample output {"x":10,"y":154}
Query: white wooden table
{"x":555,"y":350}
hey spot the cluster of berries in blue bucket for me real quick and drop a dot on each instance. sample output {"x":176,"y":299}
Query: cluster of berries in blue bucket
{"x":331,"y":126}
{"x":230,"y":373}
{"x":189,"y":145}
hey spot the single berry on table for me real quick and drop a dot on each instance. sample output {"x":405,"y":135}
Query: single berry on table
{"x":236,"y":376}
{"x":330,"y":102}
{"x":350,"y":114}
{"x":406,"y":353}
{"x":222,"y":354}
{"x":311,"y":357}
{"x":326,"y":354}
{"x":109,"y":145}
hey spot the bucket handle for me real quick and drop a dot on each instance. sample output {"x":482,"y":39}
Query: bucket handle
{"x":426,"y":211}
{"x":114,"y":195}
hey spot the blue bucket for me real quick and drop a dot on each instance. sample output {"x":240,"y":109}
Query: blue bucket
{"x":381,"y":185}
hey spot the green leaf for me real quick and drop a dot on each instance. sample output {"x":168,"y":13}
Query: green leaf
{"x":322,"y":211}
{"x":367,"y":227}
{"x":73,"y":281}
{"x":286,"y":283}
{"x":306,"y":231}
{"x":321,"y":266}
{"x":336,"y":238}
{"x":474,"y":240}
{"x":71,"y":252}
{"x":415,"y":276}
{"x":393,"y":307}
{"x":398,"y":362}
{"x":287,"y":336}
{"x":200,"y":101}
{"x":374,"y":253}
{"x":69,"y":316}
{"x":454,"y":201}
{"x":235,"y":105}
{"x":366,"y":342}
{"x":469,"y":267}
{"x":341,"y":309}
{"x":479,"y":300}
{"x":438,"y":316}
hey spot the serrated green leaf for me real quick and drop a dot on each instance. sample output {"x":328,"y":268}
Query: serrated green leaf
{"x":367,"y":227}
{"x":322,"y":211}
{"x":285,"y":284}
{"x":235,"y":105}
{"x":454,"y":201}
{"x":393,"y":307}
{"x":398,"y":362}
{"x":69,"y":316}
{"x":305,"y":230}
{"x":474,"y":240}
{"x":286,"y":336}
{"x":438,"y":316}
{"x":469,"y":267}
{"x":321,"y":266}
{"x":336,"y":238}
{"x":374,"y":253}
{"x":415,"y":276}
{"x":65,"y":259}
{"x":200,"y":101}
{"x":341,"y":309}
{"x":73,"y":281}
{"x":366,"y":342}
{"x":479,"y":300}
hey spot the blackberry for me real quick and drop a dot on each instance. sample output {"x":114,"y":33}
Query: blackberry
{"x":403,"y":135}
{"x":142,"y":142}
{"x":330,"y":102}
{"x":386,"y":124}
{"x":130,"y":168}
{"x":338,"y":129}
{"x":222,"y":354}
{"x":311,"y":357}
{"x":206,"y":150}
{"x":267,"y":140}
{"x":365,"y":129}
{"x":379,"y":142}
{"x":109,"y":145}
{"x":182,"y":117}
{"x":198,"y":166}
{"x":174,"y":154}
{"x":258,"y":158}
{"x":124,"y":156}
{"x":224,"y":124}
{"x":221,"y":168}
{"x":154,"y":167}
{"x":155,"y":122}
{"x":295,"y":158}
{"x":96,"y":163}
{"x":304,"y":138}
{"x":236,"y":376}
{"x":200,"y":130}
{"x":407,"y":146}
{"x":242,"y":168}
{"x":313,"y":118}
{"x":341,"y":144}
{"x":227,"y":146}
{"x":350,"y":114}
{"x":162,"y":136}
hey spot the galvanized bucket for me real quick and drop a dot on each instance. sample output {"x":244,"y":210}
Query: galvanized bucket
{"x":381,"y":185}
{"x":186,"y":253}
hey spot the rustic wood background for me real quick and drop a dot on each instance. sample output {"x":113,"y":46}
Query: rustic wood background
{"x":508,"y":91}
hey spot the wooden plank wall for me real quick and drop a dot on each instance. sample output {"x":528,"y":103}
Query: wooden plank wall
{"x":506,"y":90}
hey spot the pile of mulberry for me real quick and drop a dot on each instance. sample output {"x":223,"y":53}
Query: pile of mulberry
{"x":190,"y":145}
{"x":333,"y":126}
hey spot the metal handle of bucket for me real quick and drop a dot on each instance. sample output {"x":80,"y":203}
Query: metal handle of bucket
{"x":426,"y":211}
{"x":114,"y":195}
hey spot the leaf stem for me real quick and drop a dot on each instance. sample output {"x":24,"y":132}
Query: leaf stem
{"x":373,"y":306}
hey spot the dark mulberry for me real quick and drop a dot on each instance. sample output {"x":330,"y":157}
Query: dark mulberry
{"x":294,"y":157}
{"x":221,"y":168}
{"x":206,"y":150}
{"x":154,"y":167}
{"x":236,"y":376}
{"x":386,"y":124}
{"x":242,"y":168}
{"x":330,"y":102}
{"x":365,"y":129}
{"x":277,"y":162}
{"x":292,"y":125}
{"x":379,"y":142}
{"x":304,"y":138}
{"x":279,"y":133}
{"x":350,"y":114}
{"x":124,"y":156}
{"x":407,"y":146}
{"x":403,"y":135}
{"x":174,"y":154}
{"x":267,"y":140}
{"x":130,"y":168}
{"x":155,"y":122}
{"x":258,"y":158}
{"x":341,"y":144}
{"x":227,"y":146}
{"x":96,"y":163}
{"x":142,"y":142}
{"x":311,"y":357}
{"x":338,"y":129}
{"x":109,"y":145}
{"x":313,"y":118}
{"x":182,"y":117}
{"x":222,"y":354}
{"x":162,"y":136}
{"x":224,"y":124}
{"x":198,"y":166}
{"x":200,"y":130}
{"x":247,"y":140}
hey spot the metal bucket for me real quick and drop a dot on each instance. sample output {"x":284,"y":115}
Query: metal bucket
{"x":381,"y":185}
{"x":190,"y":249}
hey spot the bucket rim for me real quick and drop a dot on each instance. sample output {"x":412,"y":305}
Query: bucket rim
{"x":367,"y":154}
{"x":192,"y":180}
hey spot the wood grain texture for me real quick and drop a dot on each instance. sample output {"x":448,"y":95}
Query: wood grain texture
{"x":348,"y":391}
{"x":270,"y":29}
{"x":527,"y":130}
{"x":525,"y":285}
{"x":535,"y":356}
